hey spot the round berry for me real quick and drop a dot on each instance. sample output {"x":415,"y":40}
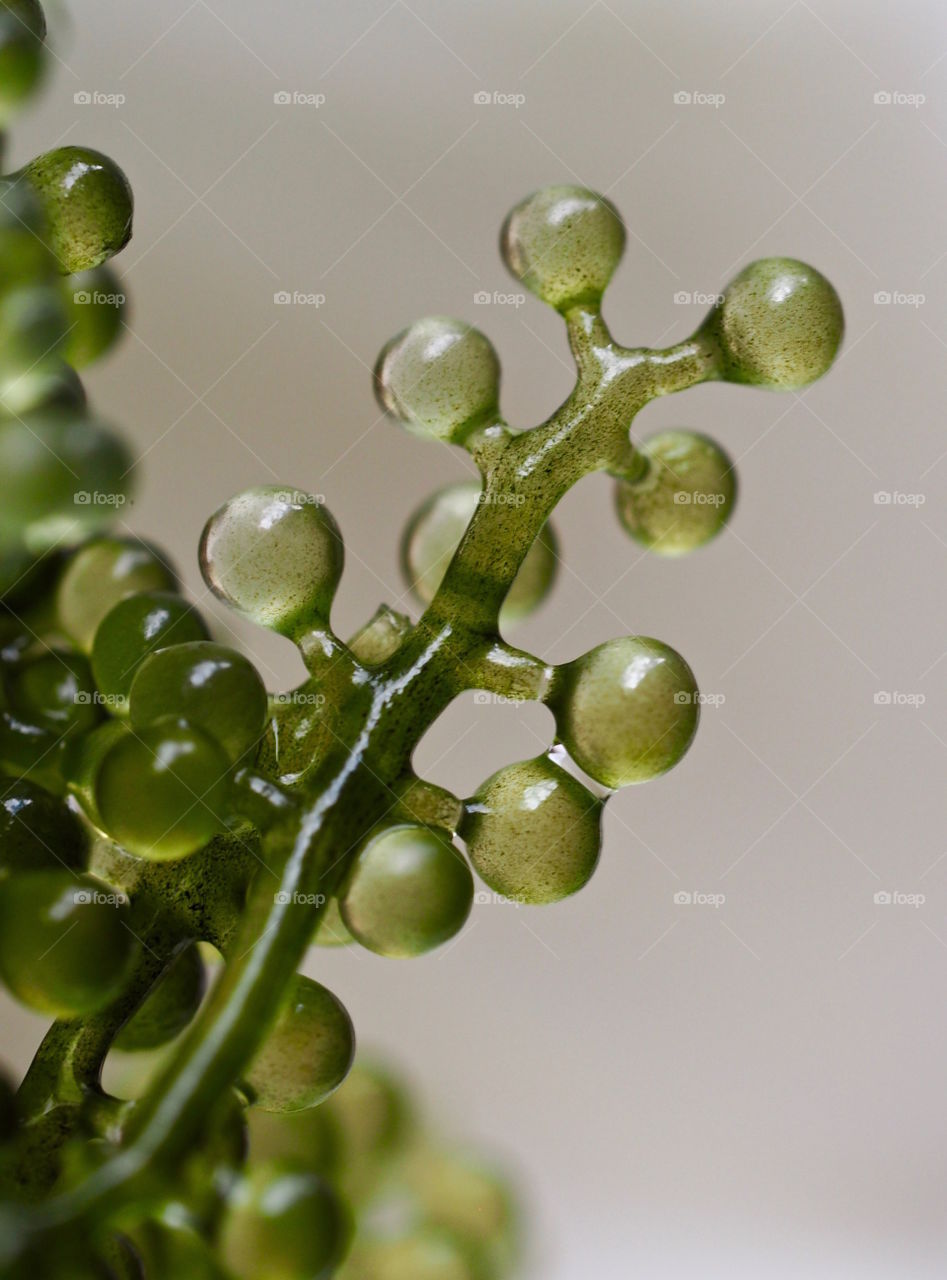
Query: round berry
{"x":283,"y":1222}
{"x":95,"y":310}
{"x":533,"y":832}
{"x":626,"y":711}
{"x":87,"y":202}
{"x":57,"y":691}
{"x":408,"y":890}
{"x":38,"y":832}
{"x":131,"y":631}
{"x":434,"y":532}
{"x":307,"y":1054}
{"x":65,"y":945}
{"x":564,"y":243}
{"x":161,"y":791}
{"x":101,"y":573}
{"x":440,"y":378}
{"x":213,"y":687}
{"x":275,"y":555}
{"x":685,"y":496}
{"x":779,"y":325}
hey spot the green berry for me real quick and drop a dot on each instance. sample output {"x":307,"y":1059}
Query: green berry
{"x":779,"y":325}
{"x":440,"y":378}
{"x":33,"y":325}
{"x":533,"y":832}
{"x":169,"y":1007}
{"x":38,"y":832}
{"x":626,"y":711}
{"x":430,"y":1254}
{"x":131,"y":631}
{"x":58,"y":692}
{"x":685,"y":496}
{"x":100,"y":574}
{"x":51,"y":385}
{"x":434,"y":532}
{"x":22,"y":56}
{"x":95,"y":312}
{"x":64,"y":475}
{"x":161,"y":791}
{"x":275,"y":555}
{"x":215,"y":688}
{"x":564,"y":243}
{"x":87,"y":202}
{"x":307,"y":1054}
{"x":283,"y":1222}
{"x":408,"y":890}
{"x":65,"y":948}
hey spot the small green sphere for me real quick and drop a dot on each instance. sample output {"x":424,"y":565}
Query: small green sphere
{"x":22,"y":55}
{"x":57,"y":691}
{"x":434,"y":532}
{"x":50,"y":385}
{"x":33,"y":325}
{"x":38,"y":832}
{"x":101,"y":573}
{"x":64,"y":476}
{"x":275,"y":555}
{"x":685,"y":496}
{"x":95,"y":311}
{"x":440,"y":379}
{"x":307,"y":1054}
{"x":212,"y":686}
{"x":627,"y":710}
{"x":169,"y":1007}
{"x":87,"y":202}
{"x":408,"y":890}
{"x":131,"y":631}
{"x":533,"y":832}
{"x":283,"y":1222}
{"x":430,"y":1253}
{"x":779,"y":325}
{"x":65,"y":949}
{"x":564,"y":243}
{"x":161,"y":791}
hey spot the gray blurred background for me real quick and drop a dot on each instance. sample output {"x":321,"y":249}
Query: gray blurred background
{"x":685,"y":1089}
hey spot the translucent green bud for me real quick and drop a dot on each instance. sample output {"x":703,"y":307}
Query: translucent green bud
{"x":87,"y":202}
{"x":95,"y":311}
{"x":276,"y":555}
{"x":307,"y":1054}
{"x":161,"y":792}
{"x":626,"y":711}
{"x":169,"y":1007}
{"x":434,"y":532}
{"x":100,"y":574}
{"x":214,"y":688}
{"x":38,"y":832}
{"x":408,"y":890}
{"x":533,"y":832}
{"x":22,"y":60}
{"x":685,"y":496}
{"x":62,"y":476}
{"x":51,"y":384}
{"x":32,"y":327}
{"x":779,"y":325}
{"x":380,"y":636}
{"x":65,"y":948}
{"x":461,"y":1196}
{"x":564,"y":243}
{"x":440,"y":378}
{"x":283,"y":1222}
{"x":431,"y":1253}
{"x":57,"y":690}
{"x":131,"y":631}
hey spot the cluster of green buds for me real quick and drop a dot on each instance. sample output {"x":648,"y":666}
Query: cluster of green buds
{"x":160,"y":807}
